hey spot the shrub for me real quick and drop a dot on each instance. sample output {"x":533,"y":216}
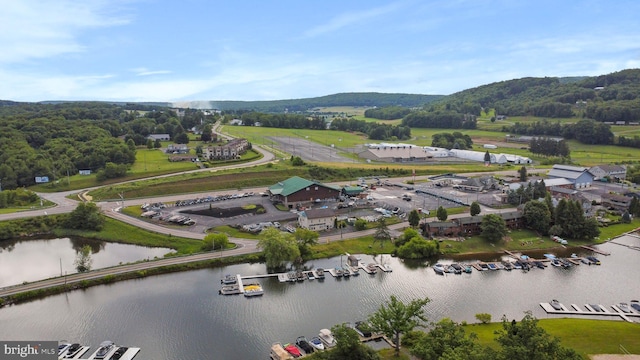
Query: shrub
{"x":483,"y":318}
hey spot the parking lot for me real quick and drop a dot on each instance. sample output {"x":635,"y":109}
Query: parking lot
{"x":383,"y":198}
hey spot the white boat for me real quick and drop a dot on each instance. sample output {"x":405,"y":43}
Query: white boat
{"x":438,"y":268}
{"x":251,"y":290}
{"x":624,"y":307}
{"x":104,"y":349}
{"x":310,"y":275}
{"x":229,"y":279}
{"x":316,"y":343}
{"x":327,"y":338}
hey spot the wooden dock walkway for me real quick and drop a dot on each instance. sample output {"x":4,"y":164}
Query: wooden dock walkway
{"x":601,"y":252}
{"x":633,"y":247}
{"x":576,"y":310}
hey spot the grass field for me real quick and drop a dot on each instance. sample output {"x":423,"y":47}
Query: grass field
{"x":583,"y":335}
{"x":116,"y":231}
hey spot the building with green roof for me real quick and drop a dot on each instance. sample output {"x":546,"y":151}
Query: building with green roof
{"x":298,"y":190}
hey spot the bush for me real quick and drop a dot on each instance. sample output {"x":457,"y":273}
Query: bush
{"x":360,"y":224}
{"x":483,"y":318}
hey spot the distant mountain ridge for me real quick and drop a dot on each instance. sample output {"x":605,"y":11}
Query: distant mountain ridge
{"x":368,"y":99}
{"x":610,"y":97}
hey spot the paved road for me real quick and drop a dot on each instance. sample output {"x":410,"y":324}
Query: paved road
{"x":244,"y":247}
{"x":110,"y":209}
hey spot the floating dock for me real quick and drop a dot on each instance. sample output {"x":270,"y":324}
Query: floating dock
{"x":601,"y":252}
{"x":577,"y":310}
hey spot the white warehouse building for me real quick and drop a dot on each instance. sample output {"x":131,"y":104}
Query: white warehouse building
{"x":494,"y":158}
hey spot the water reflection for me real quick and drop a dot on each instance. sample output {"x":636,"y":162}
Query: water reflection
{"x":30,"y":260}
{"x":182,"y":316}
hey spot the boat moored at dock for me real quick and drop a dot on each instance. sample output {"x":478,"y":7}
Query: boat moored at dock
{"x":327,"y":338}
{"x":316,"y":343}
{"x":251,"y":290}
{"x":229,"y":279}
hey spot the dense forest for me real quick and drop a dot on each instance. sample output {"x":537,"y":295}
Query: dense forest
{"x":606,"y":98}
{"x":53,"y":140}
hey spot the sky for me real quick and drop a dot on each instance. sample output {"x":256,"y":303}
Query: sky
{"x":189,"y":50}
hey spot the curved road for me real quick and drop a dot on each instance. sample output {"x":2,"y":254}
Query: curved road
{"x":65,"y":205}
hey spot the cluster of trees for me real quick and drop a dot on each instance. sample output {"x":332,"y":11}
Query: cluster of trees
{"x":373,"y":130}
{"x":569,"y":221}
{"x":532,"y":191}
{"x":448,"y":340}
{"x":586,"y":131}
{"x":566,"y":219}
{"x":283,"y":121}
{"x":455,"y":140}
{"x":86,"y":216}
{"x":549,"y":147}
{"x":387,"y":113}
{"x":411,"y":245}
{"x":280,"y":248}
{"x":440,"y":119}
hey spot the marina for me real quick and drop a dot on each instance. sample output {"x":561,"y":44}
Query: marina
{"x":106,"y":351}
{"x":192,"y":306}
{"x":233,"y":284}
{"x":324,"y":340}
{"x":591,"y":309}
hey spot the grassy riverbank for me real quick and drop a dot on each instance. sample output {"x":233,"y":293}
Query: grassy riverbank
{"x":583,"y":335}
{"x":120,"y":232}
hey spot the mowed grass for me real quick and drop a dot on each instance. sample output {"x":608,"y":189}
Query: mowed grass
{"x":586,"y":336}
{"x":589,"y":155}
{"x":120,"y":232}
{"x":362,"y":245}
{"x":258,"y":135}
{"x":198,"y":182}
{"x":348,"y":110}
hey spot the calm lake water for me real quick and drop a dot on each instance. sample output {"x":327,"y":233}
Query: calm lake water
{"x":30,"y":260}
{"x":181,"y":316}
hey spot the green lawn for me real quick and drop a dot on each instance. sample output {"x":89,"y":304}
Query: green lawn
{"x":583,"y":335}
{"x":117,"y":231}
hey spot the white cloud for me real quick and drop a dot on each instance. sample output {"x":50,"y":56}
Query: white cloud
{"x":351,"y":18}
{"x":31,"y":29}
{"x":146,"y":72}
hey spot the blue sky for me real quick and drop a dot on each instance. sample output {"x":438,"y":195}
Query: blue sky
{"x":160,"y":50}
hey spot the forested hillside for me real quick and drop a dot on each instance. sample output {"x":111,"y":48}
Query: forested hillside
{"x":605,"y":98}
{"x":343,"y":99}
{"x":38,"y":140}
